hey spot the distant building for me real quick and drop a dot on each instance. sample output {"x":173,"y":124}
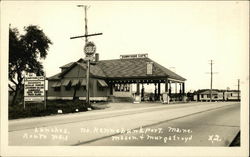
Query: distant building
{"x":112,"y":78}
{"x":217,"y":95}
{"x":232,"y":95}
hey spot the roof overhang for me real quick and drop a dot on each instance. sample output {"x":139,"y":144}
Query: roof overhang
{"x":175,"y":80}
{"x":102,"y":83}
{"x":65,"y":82}
{"x":56,"y":84}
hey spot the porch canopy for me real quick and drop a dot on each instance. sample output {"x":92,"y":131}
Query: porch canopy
{"x":140,"y":71}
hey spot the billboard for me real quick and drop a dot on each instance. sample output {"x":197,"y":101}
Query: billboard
{"x":34,"y":88}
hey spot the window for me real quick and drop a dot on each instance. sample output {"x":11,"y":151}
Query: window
{"x":100,"y":88}
{"x":68,"y":87}
{"x":122,"y":87}
{"x":127,"y":88}
{"x":117,"y":87}
{"x":77,"y":87}
{"x":84,"y":87}
{"x":57,"y":89}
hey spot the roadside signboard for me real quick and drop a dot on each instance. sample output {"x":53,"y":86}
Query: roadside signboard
{"x":137,"y":99}
{"x":34,"y":88}
{"x":165,"y":98}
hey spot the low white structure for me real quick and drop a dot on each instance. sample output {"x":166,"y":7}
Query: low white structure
{"x":217,"y":95}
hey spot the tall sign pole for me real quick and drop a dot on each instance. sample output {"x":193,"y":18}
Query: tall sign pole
{"x":86,"y":23}
{"x":88,"y":65}
{"x":89,"y":50}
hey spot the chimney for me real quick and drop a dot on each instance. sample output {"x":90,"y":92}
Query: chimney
{"x":96,"y":57}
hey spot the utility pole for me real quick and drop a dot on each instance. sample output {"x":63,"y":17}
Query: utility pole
{"x":211,"y":84}
{"x":211,"y":79}
{"x":238,"y":89}
{"x":86,"y":22}
{"x":89,"y":51}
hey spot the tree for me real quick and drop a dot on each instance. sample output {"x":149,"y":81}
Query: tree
{"x":25,"y":53}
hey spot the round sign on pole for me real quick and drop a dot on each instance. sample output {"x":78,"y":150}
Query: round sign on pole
{"x":89,"y":48}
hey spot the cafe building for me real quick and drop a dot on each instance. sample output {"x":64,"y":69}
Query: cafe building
{"x":113,"y":79}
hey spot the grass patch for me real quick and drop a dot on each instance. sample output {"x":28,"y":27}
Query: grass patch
{"x":52,"y":107}
{"x":100,"y":105}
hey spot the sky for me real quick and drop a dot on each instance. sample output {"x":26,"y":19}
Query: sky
{"x":182,"y":36}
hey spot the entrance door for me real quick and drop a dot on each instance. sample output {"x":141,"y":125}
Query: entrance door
{"x":111,"y":89}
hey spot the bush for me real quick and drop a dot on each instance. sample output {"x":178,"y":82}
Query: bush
{"x":38,"y":109}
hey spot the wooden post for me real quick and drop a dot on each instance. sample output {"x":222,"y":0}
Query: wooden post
{"x":166,"y":88}
{"x":180,"y":91}
{"x":175,"y":87}
{"x":166,"y":85}
{"x":159,"y":90}
{"x":142,"y":92}
{"x":138,"y":88}
{"x":111,"y":88}
{"x":180,"y":96}
{"x":183,"y":88}
{"x":155,"y":93}
{"x":87,"y":83}
{"x":170,"y":90}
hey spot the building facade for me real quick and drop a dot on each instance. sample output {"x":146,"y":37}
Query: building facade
{"x":112,"y":78}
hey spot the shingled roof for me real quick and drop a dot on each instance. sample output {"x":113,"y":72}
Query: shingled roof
{"x":125,"y":68}
{"x":54,"y":77}
{"x":67,"y":65}
{"x":136,"y":67}
{"x":95,"y":70}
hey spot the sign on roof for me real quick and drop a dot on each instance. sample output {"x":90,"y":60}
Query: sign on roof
{"x":130,"y":56}
{"x":149,"y":68}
